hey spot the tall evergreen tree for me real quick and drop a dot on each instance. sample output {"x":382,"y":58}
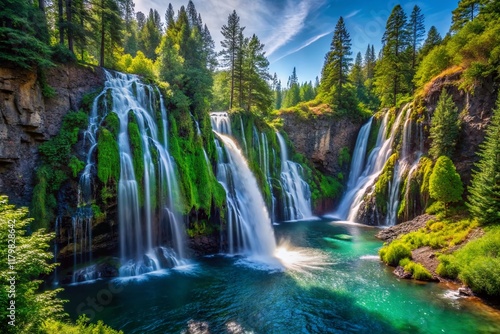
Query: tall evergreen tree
{"x":169,"y":16}
{"x":466,"y":11}
{"x":336,"y":68}
{"x":445,"y":184}
{"x":231,"y":47}
{"x":433,"y":39}
{"x":484,"y":191}
{"x":369,"y":64}
{"x":150,"y":35}
{"x":393,"y":71}
{"x":445,"y":127}
{"x":209,"y":49}
{"x":18,"y":41}
{"x":417,"y":32}
{"x":357,"y":78}
{"x":110,"y":27}
{"x":292,"y":94}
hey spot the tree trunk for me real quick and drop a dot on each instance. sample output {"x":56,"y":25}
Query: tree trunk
{"x":101,"y":54}
{"x":61,"y":21}
{"x":69,"y":20}
{"x":41,"y":5}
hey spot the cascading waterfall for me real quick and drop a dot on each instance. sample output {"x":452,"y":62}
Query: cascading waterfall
{"x":248,"y":223}
{"x":146,"y":217}
{"x":405,"y":163}
{"x":349,"y":206}
{"x":296,"y":192}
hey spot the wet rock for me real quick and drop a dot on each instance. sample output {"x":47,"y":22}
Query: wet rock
{"x":465,"y":291}
{"x":401,"y":273}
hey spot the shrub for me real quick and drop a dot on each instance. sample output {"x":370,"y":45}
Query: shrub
{"x":445,"y":184}
{"x":394,"y":253}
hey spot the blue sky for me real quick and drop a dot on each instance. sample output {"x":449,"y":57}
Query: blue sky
{"x":298,"y":33}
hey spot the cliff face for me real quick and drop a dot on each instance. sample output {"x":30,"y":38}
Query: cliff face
{"x":27,"y":119}
{"x":475,"y":110}
{"x":321,"y":139}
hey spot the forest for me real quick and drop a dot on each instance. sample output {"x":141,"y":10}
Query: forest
{"x":417,"y":94}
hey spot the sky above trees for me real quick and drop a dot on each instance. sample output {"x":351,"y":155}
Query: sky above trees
{"x":298,"y":33}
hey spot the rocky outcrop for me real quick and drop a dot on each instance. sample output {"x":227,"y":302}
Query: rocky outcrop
{"x":321,"y":138}
{"x":394,"y":232}
{"x":475,"y":108}
{"x":27,"y":119}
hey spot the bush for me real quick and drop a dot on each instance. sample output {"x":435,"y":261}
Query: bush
{"x":82,"y":327}
{"x":417,"y":270}
{"x":394,"y":253}
{"x":477,"y":264}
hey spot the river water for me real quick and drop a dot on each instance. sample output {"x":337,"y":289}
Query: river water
{"x":326,"y":285}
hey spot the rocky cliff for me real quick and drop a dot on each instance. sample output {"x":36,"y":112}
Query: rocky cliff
{"x":28,"y":119}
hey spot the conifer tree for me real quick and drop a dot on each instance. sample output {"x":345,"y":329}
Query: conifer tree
{"x":256,"y":75}
{"x":484,"y":191}
{"x":109,"y":29}
{"x":445,"y":184}
{"x":416,"y":28}
{"x":445,"y":126}
{"x":150,"y":35}
{"x":336,"y":68}
{"x":466,"y":11}
{"x":433,"y":39}
{"x":393,"y":71}
{"x":357,"y":78}
{"x":231,"y":47}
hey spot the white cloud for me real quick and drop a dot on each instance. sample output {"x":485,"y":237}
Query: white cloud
{"x":352,"y":14}
{"x":306,"y":44}
{"x":276,"y":23}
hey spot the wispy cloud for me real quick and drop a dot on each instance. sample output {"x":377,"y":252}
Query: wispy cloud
{"x":305,"y":45}
{"x":352,"y":14}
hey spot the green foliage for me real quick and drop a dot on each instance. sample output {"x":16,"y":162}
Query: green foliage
{"x":32,"y":305}
{"x":417,"y":270}
{"x":136,"y":147}
{"x":20,"y":43}
{"x":444,"y":183}
{"x":477,"y":264}
{"x":382,"y":185}
{"x":108,"y":159}
{"x":445,"y":127}
{"x":82,"y":326}
{"x":393,"y":253}
{"x":484,"y":192}
{"x":393,"y":70}
{"x":76,"y":165}
{"x":335,"y":88}
{"x":55,"y":169}
{"x":344,"y":156}
{"x":138,"y":65}
{"x":436,"y":61}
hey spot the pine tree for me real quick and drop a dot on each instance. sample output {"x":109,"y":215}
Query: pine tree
{"x":484,"y":191}
{"x":369,"y":64}
{"x":357,"y":78}
{"x":169,"y":16}
{"x":256,"y":75}
{"x":278,"y":97}
{"x":336,"y":68}
{"x":393,"y":71}
{"x":18,"y":41}
{"x":417,"y":32}
{"x":445,"y":184}
{"x":292,"y":94}
{"x":150,"y":35}
{"x":433,"y":39}
{"x":445,"y":127}
{"x":109,"y":29}
{"x":231,"y":47}
{"x":466,"y":11}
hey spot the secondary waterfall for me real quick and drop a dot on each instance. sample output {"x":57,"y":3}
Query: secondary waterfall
{"x":147,"y":195}
{"x":296,"y":192}
{"x":353,"y":198}
{"x":248,"y":222}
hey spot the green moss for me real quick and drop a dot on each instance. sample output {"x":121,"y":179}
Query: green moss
{"x":112,"y":123}
{"x":344,"y":157}
{"x":372,"y":139}
{"x":58,"y":165}
{"x":108,"y":158}
{"x":136,"y":148}
{"x":76,"y":165}
{"x":382,"y":185}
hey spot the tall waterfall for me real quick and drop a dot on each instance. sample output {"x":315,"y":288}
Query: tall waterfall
{"x":146,"y":217}
{"x":360,"y":182}
{"x":353,"y":198}
{"x":248,"y":223}
{"x":296,"y":192}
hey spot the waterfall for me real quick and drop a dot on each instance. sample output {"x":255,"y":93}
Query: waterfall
{"x":296,"y":192}
{"x":146,"y":217}
{"x":248,"y":223}
{"x":353,"y":198}
{"x":405,"y":163}
{"x":267,"y":172}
